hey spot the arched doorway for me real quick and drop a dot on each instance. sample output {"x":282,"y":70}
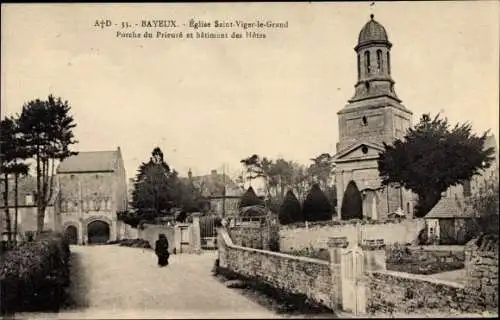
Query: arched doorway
{"x":71,"y":234}
{"x":97,"y":232}
{"x":352,"y":203}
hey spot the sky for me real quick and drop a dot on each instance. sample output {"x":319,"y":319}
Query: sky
{"x":208,"y":103}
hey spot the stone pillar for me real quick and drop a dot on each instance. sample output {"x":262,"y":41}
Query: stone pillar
{"x":353,"y":281}
{"x":340,"y":192}
{"x":335,"y":244}
{"x":177,"y":238}
{"x":196,"y":233}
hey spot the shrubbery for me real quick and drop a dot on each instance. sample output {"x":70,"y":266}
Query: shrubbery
{"x":316,"y":206}
{"x":290,"y":210}
{"x":35,"y":274}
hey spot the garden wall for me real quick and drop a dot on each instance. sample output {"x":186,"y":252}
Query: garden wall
{"x":398,"y":292}
{"x":316,"y":235}
{"x":482,"y":272}
{"x":151,"y":232}
{"x":292,"y":274}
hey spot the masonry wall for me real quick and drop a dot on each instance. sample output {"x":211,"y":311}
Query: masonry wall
{"x":247,"y":236}
{"x":482,"y":274}
{"x":395,"y":292}
{"x":292,"y":274}
{"x":316,"y":236}
{"x":151,"y":232}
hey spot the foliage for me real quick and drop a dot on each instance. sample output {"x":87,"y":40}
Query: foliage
{"x":46,"y":129}
{"x":316,"y":206}
{"x":36,"y":273}
{"x":249,"y":198}
{"x":11,"y":162}
{"x":322,"y":170}
{"x":290,"y":210}
{"x":432,"y":157}
{"x":485,"y":204}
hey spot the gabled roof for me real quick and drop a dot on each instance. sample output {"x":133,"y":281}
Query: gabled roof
{"x":448,"y":207}
{"x":355,"y":146}
{"x":92,"y":161}
{"x":212,"y":185}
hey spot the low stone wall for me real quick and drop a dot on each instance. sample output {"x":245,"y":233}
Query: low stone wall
{"x":397,"y":292}
{"x":298,"y":237}
{"x":292,"y":274}
{"x":482,"y":273}
{"x":247,"y":236}
{"x":428,"y":253}
{"x":151,"y":232}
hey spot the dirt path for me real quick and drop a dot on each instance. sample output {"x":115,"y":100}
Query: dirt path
{"x":120,"y":282}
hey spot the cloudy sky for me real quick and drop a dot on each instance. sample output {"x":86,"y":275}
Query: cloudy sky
{"x":209,"y":103}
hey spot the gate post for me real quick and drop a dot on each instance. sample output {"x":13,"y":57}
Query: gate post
{"x":335,"y":244}
{"x":352,"y":273}
{"x":196,"y":232}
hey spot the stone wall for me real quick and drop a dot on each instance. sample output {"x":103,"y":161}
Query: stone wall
{"x":151,"y":232}
{"x":403,"y":232}
{"x":482,"y":272}
{"x":292,"y":274}
{"x":428,"y":253}
{"x":397,"y":292}
{"x":247,"y":236}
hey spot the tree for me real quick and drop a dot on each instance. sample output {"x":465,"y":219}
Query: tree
{"x":432,"y":157}
{"x":155,"y":191}
{"x":46,"y":131}
{"x":249,"y":198}
{"x":290,"y":210}
{"x":485,"y":206}
{"x":316,"y":206}
{"x":322,"y":170}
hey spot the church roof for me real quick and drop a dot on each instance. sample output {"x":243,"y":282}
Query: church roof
{"x":92,"y":161}
{"x":372,"y":31}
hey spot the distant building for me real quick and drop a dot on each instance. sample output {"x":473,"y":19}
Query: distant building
{"x":373,"y":116}
{"x":222,"y":192}
{"x":92,"y":189}
{"x":27,"y":209}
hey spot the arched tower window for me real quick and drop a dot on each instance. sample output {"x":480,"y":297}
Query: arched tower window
{"x":359,"y":66}
{"x":367,"y":61}
{"x":388,"y":62}
{"x":379,"y":60}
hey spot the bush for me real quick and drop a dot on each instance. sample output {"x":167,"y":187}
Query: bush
{"x":290,"y":210}
{"x":35,"y":273}
{"x":249,"y":198}
{"x":316,"y":206}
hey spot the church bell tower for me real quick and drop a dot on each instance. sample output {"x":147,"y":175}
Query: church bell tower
{"x":373,"y":116}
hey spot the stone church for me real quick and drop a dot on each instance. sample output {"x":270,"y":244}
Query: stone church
{"x":374,"y":115}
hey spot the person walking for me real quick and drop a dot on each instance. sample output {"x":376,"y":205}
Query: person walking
{"x":161,"y":250}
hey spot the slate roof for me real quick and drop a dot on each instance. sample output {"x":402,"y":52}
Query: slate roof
{"x":372,"y":31}
{"x":92,"y":161}
{"x":448,"y":207}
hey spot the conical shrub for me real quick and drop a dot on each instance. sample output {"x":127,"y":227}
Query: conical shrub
{"x":316,"y":206}
{"x":249,"y":198}
{"x":290,"y":210}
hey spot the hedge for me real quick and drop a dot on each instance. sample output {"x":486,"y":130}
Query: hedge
{"x":33,"y":276}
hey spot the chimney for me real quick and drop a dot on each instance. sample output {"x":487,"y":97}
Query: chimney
{"x":190,"y":174}
{"x":214,"y":172}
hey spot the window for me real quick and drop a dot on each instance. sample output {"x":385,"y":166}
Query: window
{"x":365,"y":122}
{"x":467,"y":188}
{"x":379,"y":60}
{"x":359,"y":66}
{"x":367,"y":61}
{"x":367,"y":86}
{"x":364,"y":149}
{"x":388,"y":62}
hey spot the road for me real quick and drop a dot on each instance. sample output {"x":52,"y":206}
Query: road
{"x":114,"y":282}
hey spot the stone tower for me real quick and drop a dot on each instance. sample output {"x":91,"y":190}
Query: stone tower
{"x":374,"y":115}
